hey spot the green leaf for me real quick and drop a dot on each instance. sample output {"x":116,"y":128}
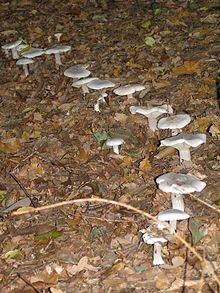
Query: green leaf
{"x":12,"y":253}
{"x":197,"y":231}
{"x":101,"y":137}
{"x":98,"y":231}
{"x":3,"y":194}
{"x":149,"y":41}
{"x":140,"y":268}
{"x":210,"y":156}
{"x":46,"y":237}
{"x":146,"y":24}
{"x":157,"y":11}
{"x":217,"y":202}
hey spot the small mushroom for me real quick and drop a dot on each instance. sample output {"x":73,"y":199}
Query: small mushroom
{"x":179,"y":184}
{"x":152,"y":113}
{"x":77,"y":72}
{"x":115,"y":143}
{"x":13,"y":47}
{"x":157,"y":257}
{"x":172,"y":216}
{"x":100,"y":84}
{"x":24,"y":62}
{"x":175,"y":122}
{"x":56,"y":51}
{"x":128,"y":90}
{"x":183,"y":142}
{"x":83,"y":83}
{"x":101,"y":99}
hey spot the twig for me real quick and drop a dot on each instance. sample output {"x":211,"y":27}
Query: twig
{"x":205,"y":203}
{"x":28,"y":283}
{"x":129,"y":207}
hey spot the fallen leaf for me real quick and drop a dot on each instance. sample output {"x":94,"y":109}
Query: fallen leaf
{"x":145,"y":165}
{"x":149,"y":41}
{"x":177,"y":261}
{"x":24,"y":202}
{"x":82,"y":265}
{"x":10,"y":145}
{"x":127,"y":161}
{"x":188,"y":67}
{"x":46,"y":237}
{"x":197,"y":230}
{"x":12,"y":253}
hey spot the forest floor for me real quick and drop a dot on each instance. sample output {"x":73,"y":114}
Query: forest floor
{"x":52,"y":147}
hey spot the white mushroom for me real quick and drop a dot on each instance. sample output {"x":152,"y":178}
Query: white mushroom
{"x":83,"y":84}
{"x":56,"y":51}
{"x":77,"y":72}
{"x":101,"y":99}
{"x":172,"y":216}
{"x":152,"y":113}
{"x":175,"y":122}
{"x":149,"y":239}
{"x":100,"y":84}
{"x":24,"y":62}
{"x":13,"y":47}
{"x":128,"y":90}
{"x":115,"y":143}
{"x":34,"y":52}
{"x":179,"y":184}
{"x":183,"y":142}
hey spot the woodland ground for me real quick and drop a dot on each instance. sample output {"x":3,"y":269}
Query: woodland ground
{"x":51,"y":146}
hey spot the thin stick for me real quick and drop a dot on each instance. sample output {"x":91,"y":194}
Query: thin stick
{"x":205,"y":203}
{"x":129,"y":207}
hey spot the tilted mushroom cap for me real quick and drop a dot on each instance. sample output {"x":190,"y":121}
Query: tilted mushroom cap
{"x":99,"y":84}
{"x":179,"y":183}
{"x":24,"y":61}
{"x":128,"y":89}
{"x":174,"y":122}
{"x":58,"y":49}
{"x":114,"y":141}
{"x":147,"y":238}
{"x":172,"y":215}
{"x":82,"y":81}
{"x":76,"y":71}
{"x":148,"y":110}
{"x":34,"y":52}
{"x":192,"y":140}
{"x":11,"y":45}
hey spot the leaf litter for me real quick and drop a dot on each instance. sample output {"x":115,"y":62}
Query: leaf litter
{"x":54,"y":143}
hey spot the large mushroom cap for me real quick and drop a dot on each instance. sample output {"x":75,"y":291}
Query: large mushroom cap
{"x":174,"y":122}
{"x":76,"y":71}
{"x":11,"y":45}
{"x":148,"y":110}
{"x":128,"y":89}
{"x":192,"y":140}
{"x":114,"y":141}
{"x":179,"y":183}
{"x":58,"y":49}
{"x":24,"y":61}
{"x":172,"y":215}
{"x":99,"y":84}
{"x":82,"y":81}
{"x":34,"y":52}
{"x":149,"y":239}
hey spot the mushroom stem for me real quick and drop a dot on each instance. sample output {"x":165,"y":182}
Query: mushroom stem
{"x":177,"y":201}
{"x":58,"y":59}
{"x":85,"y":89}
{"x":116,"y":149}
{"x":130,"y":96}
{"x":184,"y":154}
{"x":6,"y":52}
{"x":26,"y":72}
{"x":172,"y":226}
{"x":152,"y":123}
{"x":14,"y":53}
{"x":157,"y":258}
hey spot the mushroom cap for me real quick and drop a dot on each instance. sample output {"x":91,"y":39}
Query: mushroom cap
{"x":76,"y":71}
{"x":82,"y":81}
{"x":191,"y":140}
{"x":128,"y":89}
{"x":146,"y":111}
{"x":179,"y":183}
{"x":114,"y":141}
{"x":57,"y":49}
{"x":172,"y":215}
{"x":98,"y":84}
{"x":24,"y":61}
{"x":34,"y":52}
{"x":149,"y":239}
{"x":174,"y":122}
{"x":11,"y":45}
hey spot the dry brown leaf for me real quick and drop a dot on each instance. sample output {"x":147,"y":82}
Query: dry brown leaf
{"x":10,"y":145}
{"x":82,"y":265}
{"x":120,"y":117}
{"x":203,"y":123}
{"x":116,"y":72}
{"x":83,"y":154}
{"x":188,"y":67}
{"x":127,"y":161}
{"x":166,"y":152}
{"x":162,"y":281}
{"x":145,"y":165}
{"x":56,"y":290}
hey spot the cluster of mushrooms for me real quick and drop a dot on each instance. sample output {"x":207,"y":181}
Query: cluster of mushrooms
{"x":176,"y":184}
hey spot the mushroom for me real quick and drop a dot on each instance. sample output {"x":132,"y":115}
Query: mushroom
{"x":83,"y":83}
{"x":179,"y":184}
{"x":151,"y":113}
{"x":34,"y":52}
{"x":128,"y":90}
{"x":13,"y":47}
{"x":115,"y":143}
{"x":183,"y":142}
{"x":24,"y":62}
{"x":157,"y":257}
{"x":77,"y":72}
{"x":100,"y":84}
{"x":56,"y":51}
{"x":101,"y":99}
{"x":175,"y":122}
{"x":172,"y":216}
